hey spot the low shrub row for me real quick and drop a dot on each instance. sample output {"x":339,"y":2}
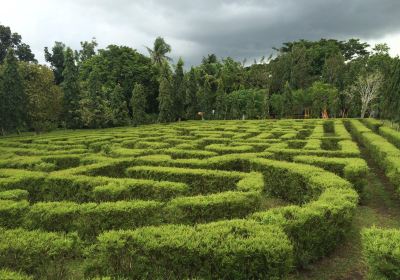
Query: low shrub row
{"x":393,"y":136}
{"x":62,"y":186}
{"x":128,"y":189}
{"x":353,"y":169}
{"x":201,"y":181}
{"x":236,"y":249}
{"x":384,"y":153}
{"x":90,"y":219}
{"x":207,"y":208}
{"x":6,"y":274}
{"x":224,"y":149}
{"x":41,"y":254}
{"x":15,"y":194}
{"x":381,"y":250}
{"x":328,"y":204}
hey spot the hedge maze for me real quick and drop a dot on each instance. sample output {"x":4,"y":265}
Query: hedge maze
{"x":212,"y":199}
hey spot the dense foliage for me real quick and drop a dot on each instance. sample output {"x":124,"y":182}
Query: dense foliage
{"x":325,"y":78}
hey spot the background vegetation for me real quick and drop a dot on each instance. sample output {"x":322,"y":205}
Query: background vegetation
{"x":116,"y":86}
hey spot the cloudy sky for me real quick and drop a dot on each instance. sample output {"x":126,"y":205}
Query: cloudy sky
{"x":240,"y":29}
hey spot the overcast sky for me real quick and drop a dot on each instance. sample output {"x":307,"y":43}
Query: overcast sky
{"x":240,"y":29}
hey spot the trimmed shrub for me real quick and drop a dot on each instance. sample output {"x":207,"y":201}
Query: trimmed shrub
{"x":15,"y":194}
{"x":206,"y":208}
{"x":128,"y":189}
{"x":6,"y":274}
{"x":234,"y":249}
{"x":384,"y":153}
{"x":12,"y":213}
{"x":353,"y":169}
{"x":381,"y":250}
{"x":44,"y":255}
{"x":373,"y":124}
{"x":90,"y":219}
{"x":201,"y":181}
{"x":317,"y":227}
{"x":224,"y":149}
{"x":391,"y":135}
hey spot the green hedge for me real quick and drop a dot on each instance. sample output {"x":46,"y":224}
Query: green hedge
{"x":12,"y":212}
{"x":207,"y":208}
{"x":89,"y":219}
{"x":6,"y":274}
{"x":44,"y":255}
{"x":381,"y":250}
{"x":317,"y":227}
{"x":384,"y":153}
{"x":235,"y":249}
{"x":225,"y":149}
{"x":128,"y":189}
{"x":15,"y":194}
{"x":373,"y":124}
{"x":391,"y":135}
{"x":201,"y":181}
{"x":353,"y":169}
{"x":63,"y":161}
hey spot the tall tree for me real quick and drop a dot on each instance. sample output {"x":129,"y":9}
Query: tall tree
{"x":13,"y":99}
{"x":179,"y":90}
{"x":138,"y":103}
{"x":391,"y":97}
{"x":367,"y":87}
{"x":287,"y":101}
{"x":159,"y":52}
{"x":56,"y":59}
{"x":124,"y":66}
{"x":166,"y":105}
{"x":221,"y":104}
{"x":44,"y":98}
{"x":191,"y":105}
{"x":207,"y":96}
{"x":324,"y":99}
{"x":119,"y":115}
{"x":94,"y":105}
{"x":70,"y":86}
{"x":14,"y":41}
{"x":88,"y":49}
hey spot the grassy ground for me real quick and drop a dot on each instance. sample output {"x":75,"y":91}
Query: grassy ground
{"x":380,"y":207}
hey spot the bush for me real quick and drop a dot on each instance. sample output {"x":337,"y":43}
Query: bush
{"x":318,"y":226}
{"x":353,"y":169}
{"x":139,"y":189}
{"x":206,"y":208}
{"x":15,"y":194}
{"x":44,"y":255}
{"x":201,"y":181}
{"x":381,"y":250}
{"x":12,"y":212}
{"x":384,"y":153}
{"x":235,"y":249}
{"x":89,"y":219}
{"x":391,"y":135}
{"x":6,"y":274}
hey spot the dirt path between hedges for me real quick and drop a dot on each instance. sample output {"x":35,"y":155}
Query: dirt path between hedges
{"x":380,"y":207}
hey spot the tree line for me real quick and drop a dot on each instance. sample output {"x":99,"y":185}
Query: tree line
{"x":117,"y":86}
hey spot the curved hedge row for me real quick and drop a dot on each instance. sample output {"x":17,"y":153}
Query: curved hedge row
{"x":384,"y":153}
{"x":314,"y":229}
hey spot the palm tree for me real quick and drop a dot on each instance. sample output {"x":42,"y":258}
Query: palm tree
{"x":159,"y":51}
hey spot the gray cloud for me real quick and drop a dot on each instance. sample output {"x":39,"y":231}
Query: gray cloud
{"x":240,"y":29}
